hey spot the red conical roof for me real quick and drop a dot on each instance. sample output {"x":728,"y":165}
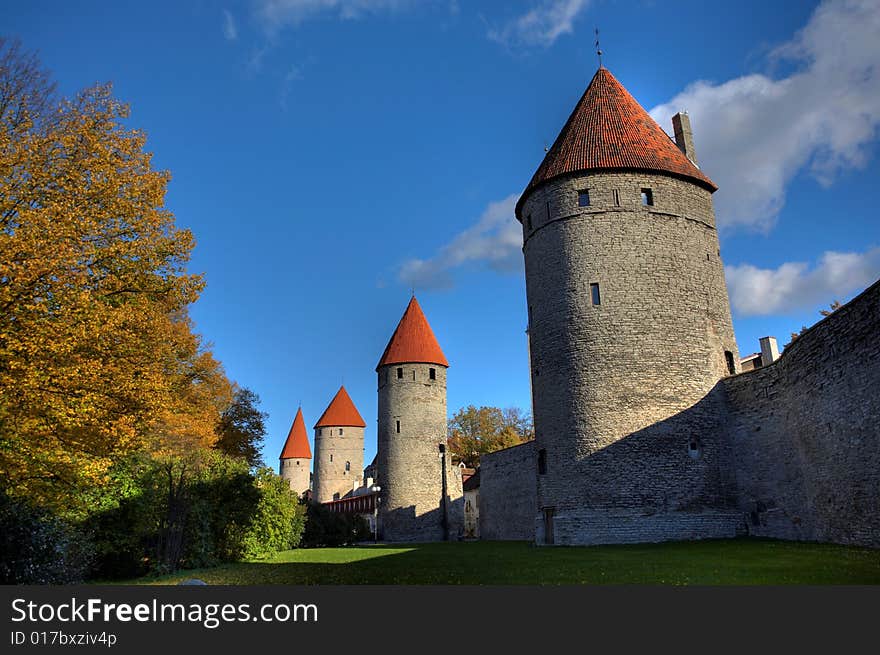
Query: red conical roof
{"x":297,"y":444}
{"x":341,"y":412}
{"x":608,"y":129}
{"x":413,"y":341}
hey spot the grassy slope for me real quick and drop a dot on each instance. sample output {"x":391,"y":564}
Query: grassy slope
{"x":738,"y":562}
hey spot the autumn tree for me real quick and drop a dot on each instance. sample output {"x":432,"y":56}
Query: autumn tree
{"x":242,"y":428}
{"x":97,"y":354}
{"x":27,"y":93}
{"x":476,"y":431}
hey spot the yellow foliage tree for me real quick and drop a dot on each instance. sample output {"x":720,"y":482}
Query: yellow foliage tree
{"x":97,"y":355}
{"x":475,"y":431}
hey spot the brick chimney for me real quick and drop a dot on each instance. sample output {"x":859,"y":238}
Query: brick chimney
{"x":769,"y":350}
{"x":684,"y":135}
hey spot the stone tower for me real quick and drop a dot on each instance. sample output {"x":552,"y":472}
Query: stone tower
{"x":296,"y":456}
{"x":630,"y":329}
{"x":339,"y":449}
{"x":421,"y":496}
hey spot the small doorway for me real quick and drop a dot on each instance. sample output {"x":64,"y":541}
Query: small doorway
{"x":548,"y":526}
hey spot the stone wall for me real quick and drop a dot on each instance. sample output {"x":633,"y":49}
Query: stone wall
{"x":789,"y":451}
{"x":472,"y":514}
{"x":806,"y":432}
{"x":507,"y":494}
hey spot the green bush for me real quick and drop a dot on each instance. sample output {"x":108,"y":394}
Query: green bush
{"x":278,"y":520}
{"x":327,"y":528}
{"x":154,"y":516}
{"x":187,"y":514}
{"x":38,"y":548}
{"x":219,"y":505}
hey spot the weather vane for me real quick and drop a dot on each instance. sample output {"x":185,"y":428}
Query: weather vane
{"x":598,"y":51}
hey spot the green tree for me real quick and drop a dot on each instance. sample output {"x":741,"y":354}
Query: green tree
{"x":242,"y":428}
{"x":475,"y":431}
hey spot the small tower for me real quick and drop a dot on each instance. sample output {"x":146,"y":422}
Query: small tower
{"x":339,"y":449}
{"x":629,"y":328}
{"x":296,"y":456}
{"x":421,"y":497}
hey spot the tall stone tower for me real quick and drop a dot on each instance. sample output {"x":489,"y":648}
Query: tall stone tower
{"x":630,"y":329}
{"x":296,"y":456}
{"x":421,"y":496}
{"x":339,"y":449}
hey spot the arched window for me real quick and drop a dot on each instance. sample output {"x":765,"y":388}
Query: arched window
{"x":348,"y":466}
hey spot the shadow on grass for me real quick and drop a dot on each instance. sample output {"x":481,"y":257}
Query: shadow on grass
{"x":723,"y":562}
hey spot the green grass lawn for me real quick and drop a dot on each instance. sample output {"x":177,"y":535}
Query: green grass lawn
{"x":724,"y":562}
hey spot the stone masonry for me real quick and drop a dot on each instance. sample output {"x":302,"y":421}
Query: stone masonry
{"x":339,"y":461}
{"x":806,"y":432}
{"x":621,"y":389}
{"x":796,"y":441}
{"x":296,"y":471}
{"x":507,"y":493}
{"x":411,"y":431}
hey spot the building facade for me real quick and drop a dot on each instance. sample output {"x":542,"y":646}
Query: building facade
{"x":296,"y":457}
{"x":339,"y":449}
{"x":646,"y":427}
{"x":421,"y":492}
{"x":629,"y":322}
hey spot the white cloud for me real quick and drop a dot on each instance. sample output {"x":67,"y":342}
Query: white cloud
{"x":753,"y":134}
{"x":496,"y":239}
{"x":230,"y":29}
{"x":542,"y":25}
{"x":794,"y":286}
{"x":276,"y":14}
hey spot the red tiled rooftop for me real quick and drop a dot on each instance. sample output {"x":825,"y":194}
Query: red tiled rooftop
{"x":609,"y":130}
{"x":341,"y":412}
{"x":413,"y":341}
{"x":297,"y":444}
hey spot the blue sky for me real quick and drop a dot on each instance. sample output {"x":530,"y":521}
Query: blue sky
{"x":329,"y":155}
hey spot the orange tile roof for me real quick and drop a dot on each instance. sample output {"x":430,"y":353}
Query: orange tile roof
{"x":609,"y":129}
{"x":413,"y":341}
{"x":297,"y":444}
{"x":341,"y":412}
